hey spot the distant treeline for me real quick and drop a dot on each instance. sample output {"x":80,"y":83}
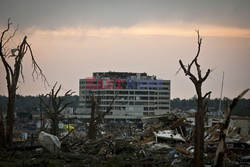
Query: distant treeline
{"x":242,"y":108}
{"x":30,"y":102}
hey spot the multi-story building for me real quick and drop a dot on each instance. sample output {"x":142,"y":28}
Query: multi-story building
{"x":139,"y":94}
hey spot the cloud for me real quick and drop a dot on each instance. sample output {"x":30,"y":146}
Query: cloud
{"x":145,"y":29}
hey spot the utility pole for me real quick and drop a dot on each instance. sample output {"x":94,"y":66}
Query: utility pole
{"x":41,"y":115}
{"x":221,"y":91}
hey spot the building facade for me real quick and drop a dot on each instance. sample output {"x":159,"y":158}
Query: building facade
{"x":139,"y":94}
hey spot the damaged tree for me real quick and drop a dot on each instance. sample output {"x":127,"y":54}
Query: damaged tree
{"x":54,"y":106}
{"x":220,"y":152}
{"x":97,"y":116}
{"x":201,"y":105}
{"x":2,"y":131}
{"x":13,"y":72}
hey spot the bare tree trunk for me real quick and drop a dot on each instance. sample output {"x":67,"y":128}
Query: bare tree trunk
{"x":199,"y":128}
{"x":10,"y":119}
{"x":2,"y":131}
{"x":92,"y":131}
{"x":55,"y":129}
{"x":199,"y":135}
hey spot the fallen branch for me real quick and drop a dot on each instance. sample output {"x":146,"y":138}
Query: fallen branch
{"x":220,"y":152}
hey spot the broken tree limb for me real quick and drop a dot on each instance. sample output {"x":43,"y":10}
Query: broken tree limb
{"x":220,"y":152}
{"x":97,"y":116}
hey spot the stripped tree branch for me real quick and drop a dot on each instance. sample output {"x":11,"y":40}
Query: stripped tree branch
{"x":206,"y":95}
{"x":97,"y":116}
{"x":13,"y":73}
{"x":110,"y":105}
{"x":201,"y":106}
{"x":55,"y":106}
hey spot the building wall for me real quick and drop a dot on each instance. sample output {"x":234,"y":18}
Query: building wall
{"x":139,"y":94}
{"x":244,"y":124}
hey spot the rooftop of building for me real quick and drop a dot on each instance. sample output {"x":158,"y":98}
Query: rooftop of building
{"x":113,"y":74}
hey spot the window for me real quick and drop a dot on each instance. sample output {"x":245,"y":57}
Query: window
{"x":163,"y":108}
{"x":163,"y":102}
{"x":165,"y":83}
{"x":163,"y":98}
{"x":163,"y":93}
{"x":131,"y":92}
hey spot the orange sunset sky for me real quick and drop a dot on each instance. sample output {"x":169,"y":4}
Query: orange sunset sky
{"x":72,"y":39}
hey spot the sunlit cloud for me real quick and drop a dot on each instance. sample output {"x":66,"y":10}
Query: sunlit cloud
{"x":146,"y":29}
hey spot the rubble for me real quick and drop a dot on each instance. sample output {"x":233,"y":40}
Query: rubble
{"x":163,"y":143}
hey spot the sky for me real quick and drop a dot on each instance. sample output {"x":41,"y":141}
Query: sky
{"x":73,"y":39}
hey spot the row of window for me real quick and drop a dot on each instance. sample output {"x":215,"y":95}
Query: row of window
{"x":128,"y":98}
{"x":155,"y":82}
{"x":123,"y":84}
{"x":128,"y":92}
{"x":124,"y":108}
{"x":132,"y":103}
{"x":149,"y":88}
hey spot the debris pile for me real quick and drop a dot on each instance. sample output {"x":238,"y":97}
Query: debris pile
{"x":165,"y":142}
